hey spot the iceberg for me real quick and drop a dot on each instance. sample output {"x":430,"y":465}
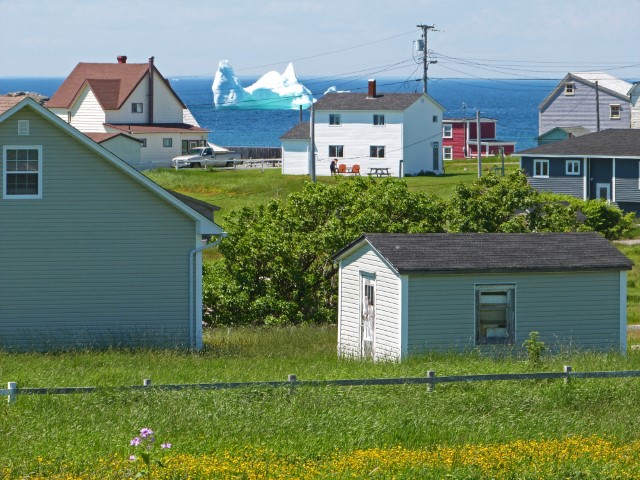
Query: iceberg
{"x":272,"y":91}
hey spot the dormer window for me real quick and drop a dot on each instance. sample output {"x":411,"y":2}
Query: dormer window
{"x":569,"y":88}
{"x":136,"y":107}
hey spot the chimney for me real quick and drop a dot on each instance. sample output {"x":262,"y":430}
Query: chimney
{"x":122,"y":59}
{"x":372,"y":89}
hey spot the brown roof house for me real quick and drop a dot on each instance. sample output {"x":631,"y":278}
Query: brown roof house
{"x":92,"y":252}
{"x":132,"y":99}
{"x":403,"y":294}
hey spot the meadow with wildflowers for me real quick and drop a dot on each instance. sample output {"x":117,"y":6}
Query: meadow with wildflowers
{"x":504,"y":430}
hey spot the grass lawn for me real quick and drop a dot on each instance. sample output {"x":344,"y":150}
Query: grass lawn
{"x":479,"y":430}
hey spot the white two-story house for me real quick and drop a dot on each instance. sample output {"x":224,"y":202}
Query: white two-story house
{"x":132,"y":99}
{"x":398,"y":131}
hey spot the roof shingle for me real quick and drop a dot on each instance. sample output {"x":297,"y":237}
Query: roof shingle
{"x":607,"y":143}
{"x":494,"y":252}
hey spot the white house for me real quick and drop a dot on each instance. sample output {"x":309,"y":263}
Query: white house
{"x":398,"y":131}
{"x":134,"y":99}
{"x":403,"y":294}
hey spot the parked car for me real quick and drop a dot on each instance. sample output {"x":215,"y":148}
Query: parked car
{"x":200,"y":157}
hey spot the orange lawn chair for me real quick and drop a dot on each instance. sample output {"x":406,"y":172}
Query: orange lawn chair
{"x":342,"y":168}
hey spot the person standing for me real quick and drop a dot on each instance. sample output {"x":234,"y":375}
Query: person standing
{"x":334,"y":166}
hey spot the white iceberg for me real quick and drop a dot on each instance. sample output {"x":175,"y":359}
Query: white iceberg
{"x":272,"y":91}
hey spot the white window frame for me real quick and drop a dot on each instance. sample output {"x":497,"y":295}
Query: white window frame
{"x":447,"y":153}
{"x":569,"y":88}
{"x":447,"y":130}
{"x":572,"y":167}
{"x":615,"y":107}
{"x":335,"y":120}
{"x":378,"y":120}
{"x":544,"y":166}
{"x":167,"y":142}
{"x":376,"y":151}
{"x":137,"y":107}
{"x":5,"y":194}
{"x":493,"y":337}
{"x":334,"y":150}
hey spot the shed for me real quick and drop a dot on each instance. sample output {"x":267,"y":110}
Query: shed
{"x":403,"y":294}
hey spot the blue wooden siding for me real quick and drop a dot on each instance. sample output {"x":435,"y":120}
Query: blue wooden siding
{"x":580,"y":110}
{"x":600,"y":171}
{"x":628,"y":182}
{"x":558,"y":181}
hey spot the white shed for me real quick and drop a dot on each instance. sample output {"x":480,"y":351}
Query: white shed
{"x":402,"y":294}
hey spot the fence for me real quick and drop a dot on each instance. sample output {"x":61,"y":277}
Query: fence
{"x":430,"y":380}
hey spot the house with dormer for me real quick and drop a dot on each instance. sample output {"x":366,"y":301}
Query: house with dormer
{"x":401,"y":132}
{"x":132,"y":99}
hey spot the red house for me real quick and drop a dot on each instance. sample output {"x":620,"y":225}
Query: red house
{"x":460,"y":139}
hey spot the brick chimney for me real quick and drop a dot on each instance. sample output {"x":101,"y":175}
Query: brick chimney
{"x":372,"y":89}
{"x":122,"y":59}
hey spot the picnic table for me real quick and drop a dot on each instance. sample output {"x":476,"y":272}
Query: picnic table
{"x":379,"y":171}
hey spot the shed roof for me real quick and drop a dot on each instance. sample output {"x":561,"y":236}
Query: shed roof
{"x":493,"y":252}
{"x":607,"y":143}
{"x":361,"y":101}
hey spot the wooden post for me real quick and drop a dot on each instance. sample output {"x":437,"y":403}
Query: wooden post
{"x":567,"y":369}
{"x":431,"y":386}
{"x":292,"y":379}
{"x":11,"y":386}
{"x":146,"y":382}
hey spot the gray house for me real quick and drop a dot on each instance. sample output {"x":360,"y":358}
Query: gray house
{"x":593,"y":100}
{"x":402,"y":294}
{"x":93,"y":253}
{"x":597,"y":165}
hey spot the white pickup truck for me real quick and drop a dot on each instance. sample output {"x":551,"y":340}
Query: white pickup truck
{"x":199,"y":157}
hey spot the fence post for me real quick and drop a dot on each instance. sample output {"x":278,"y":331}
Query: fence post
{"x":567,"y":369}
{"x":11,"y":386}
{"x":292,"y":379}
{"x":146,"y":382}
{"x":431,"y":385}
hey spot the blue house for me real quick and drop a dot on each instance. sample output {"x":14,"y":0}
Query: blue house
{"x":592,"y":100}
{"x":597,"y":165}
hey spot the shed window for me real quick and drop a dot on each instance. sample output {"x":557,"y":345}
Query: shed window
{"x":334,"y":119}
{"x":572,"y":167}
{"x":22,"y":167}
{"x":541,"y":168}
{"x":495,"y":314}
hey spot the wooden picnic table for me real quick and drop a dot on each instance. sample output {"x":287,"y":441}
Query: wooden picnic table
{"x":379,"y":171}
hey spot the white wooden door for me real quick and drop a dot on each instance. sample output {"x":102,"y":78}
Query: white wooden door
{"x":368,"y":318}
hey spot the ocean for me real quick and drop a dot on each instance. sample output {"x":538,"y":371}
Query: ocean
{"x":514,"y":103}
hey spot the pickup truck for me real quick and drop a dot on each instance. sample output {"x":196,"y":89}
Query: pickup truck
{"x":199,"y":157}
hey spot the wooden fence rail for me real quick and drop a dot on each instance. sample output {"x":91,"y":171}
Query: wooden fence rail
{"x":431,"y":380}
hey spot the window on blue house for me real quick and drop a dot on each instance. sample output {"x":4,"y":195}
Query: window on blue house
{"x":541,"y":168}
{"x":572,"y":167}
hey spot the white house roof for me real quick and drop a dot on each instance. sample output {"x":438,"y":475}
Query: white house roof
{"x":204,"y":225}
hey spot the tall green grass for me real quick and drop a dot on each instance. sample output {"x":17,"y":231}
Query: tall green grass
{"x":306,"y":422}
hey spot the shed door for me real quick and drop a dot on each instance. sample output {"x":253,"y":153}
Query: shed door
{"x":367,"y":318}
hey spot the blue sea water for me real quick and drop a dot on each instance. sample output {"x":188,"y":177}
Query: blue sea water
{"x":514,"y":103}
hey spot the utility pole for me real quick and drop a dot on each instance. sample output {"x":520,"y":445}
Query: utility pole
{"x":479,"y":139}
{"x":312,"y":145}
{"x":597,"y":107}
{"x":425,"y":51}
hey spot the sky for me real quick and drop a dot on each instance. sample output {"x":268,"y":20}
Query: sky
{"x":325,"y":38}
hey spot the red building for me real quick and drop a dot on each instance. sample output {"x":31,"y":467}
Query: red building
{"x":460,"y":139}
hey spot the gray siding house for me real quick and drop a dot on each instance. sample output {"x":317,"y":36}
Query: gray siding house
{"x":597,"y":165}
{"x":93,"y":253}
{"x":592,"y":100}
{"x":403,"y":294}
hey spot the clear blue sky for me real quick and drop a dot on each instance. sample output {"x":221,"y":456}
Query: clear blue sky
{"x":475,"y":38}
